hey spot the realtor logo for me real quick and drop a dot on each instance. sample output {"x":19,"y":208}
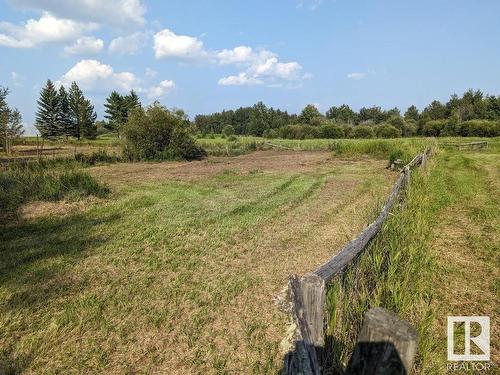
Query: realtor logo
{"x":481,"y":340}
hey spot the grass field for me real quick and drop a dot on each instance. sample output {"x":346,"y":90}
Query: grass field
{"x":176,"y":270}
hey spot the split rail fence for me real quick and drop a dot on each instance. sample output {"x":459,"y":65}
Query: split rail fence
{"x":307,"y":293}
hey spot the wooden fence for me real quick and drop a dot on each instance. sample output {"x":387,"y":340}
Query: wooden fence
{"x":465,"y":146}
{"x":307,"y":294}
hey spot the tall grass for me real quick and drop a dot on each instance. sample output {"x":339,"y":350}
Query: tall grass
{"x":392,"y":149}
{"x":393,"y":272}
{"x":47,"y":180}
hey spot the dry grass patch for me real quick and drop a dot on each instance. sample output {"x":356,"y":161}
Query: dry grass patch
{"x":177,"y":273}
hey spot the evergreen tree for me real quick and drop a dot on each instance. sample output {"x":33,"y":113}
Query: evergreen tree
{"x":88,"y":116}
{"x":118,"y":108}
{"x":47,"y":116}
{"x":131,"y":102}
{"x":75,"y":100}
{"x":116,"y":112}
{"x":64,"y":113}
{"x":82,"y":114}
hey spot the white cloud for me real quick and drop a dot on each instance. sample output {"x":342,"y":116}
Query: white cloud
{"x":163,"y":88}
{"x":87,"y":45}
{"x":356,"y":76}
{"x":150,"y":73}
{"x":130,"y":44}
{"x":167,"y":44}
{"x":237,"y":55}
{"x":261,"y":67}
{"x":122,"y":13}
{"x":47,"y":29}
{"x":258,"y":67}
{"x":95,"y":76}
{"x":242,"y":79}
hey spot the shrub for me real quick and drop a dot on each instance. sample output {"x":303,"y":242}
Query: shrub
{"x":434,"y":128}
{"x":157,"y":133}
{"x":387,"y":131}
{"x":270,"y":133}
{"x":363,"y":131}
{"x":331,"y":131}
{"x":299,"y":132}
{"x":228,"y":130}
{"x":479,"y":128}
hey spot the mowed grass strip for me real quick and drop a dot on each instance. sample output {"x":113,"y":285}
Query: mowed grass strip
{"x":174,"y":276}
{"x":436,"y":256}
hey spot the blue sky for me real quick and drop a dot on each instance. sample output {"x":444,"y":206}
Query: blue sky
{"x":205,"y":56}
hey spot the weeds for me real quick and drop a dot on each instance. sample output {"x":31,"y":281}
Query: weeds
{"x":48,"y":180}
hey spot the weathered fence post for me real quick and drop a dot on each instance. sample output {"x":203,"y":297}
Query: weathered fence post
{"x":386,"y":345}
{"x":306,"y":296}
{"x":407,"y":172}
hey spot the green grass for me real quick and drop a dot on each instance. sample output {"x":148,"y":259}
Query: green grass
{"x":169,"y":276}
{"x":405,"y":270}
{"x":46,"y":180}
{"x":390,"y":149}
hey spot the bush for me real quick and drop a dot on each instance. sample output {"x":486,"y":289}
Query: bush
{"x":387,"y":131}
{"x":331,"y":131}
{"x":157,"y":133}
{"x":434,"y":128}
{"x":363,"y":131}
{"x":270,"y":133}
{"x":228,"y":130}
{"x":479,"y":128}
{"x":299,"y":132}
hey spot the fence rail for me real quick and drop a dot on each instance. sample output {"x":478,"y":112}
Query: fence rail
{"x":307,"y":294}
{"x":470,"y":145}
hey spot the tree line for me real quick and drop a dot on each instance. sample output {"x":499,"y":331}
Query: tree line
{"x":11,"y":122}
{"x":68,"y":113}
{"x":472,"y":114}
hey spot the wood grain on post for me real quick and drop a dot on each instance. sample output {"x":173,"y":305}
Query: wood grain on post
{"x":386,"y":345}
{"x":303,"y":359}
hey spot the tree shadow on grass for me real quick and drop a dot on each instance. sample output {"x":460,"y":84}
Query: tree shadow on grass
{"x":35,"y":258}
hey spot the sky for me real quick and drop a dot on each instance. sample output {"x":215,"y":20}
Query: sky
{"x":208,"y":55}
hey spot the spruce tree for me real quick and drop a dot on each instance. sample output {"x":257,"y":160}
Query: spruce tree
{"x":116,"y":113}
{"x":75,"y":100}
{"x":131,"y":102}
{"x":118,"y":108}
{"x":82,"y":114}
{"x":47,"y":116}
{"x":88,"y":117}
{"x":64,"y":113}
